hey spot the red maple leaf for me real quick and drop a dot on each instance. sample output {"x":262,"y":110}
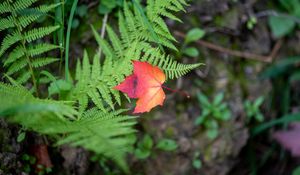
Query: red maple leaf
{"x":145,"y":84}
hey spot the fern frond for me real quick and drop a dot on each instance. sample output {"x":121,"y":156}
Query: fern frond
{"x":21,"y":14}
{"x":116,"y":43}
{"x":17,"y":53}
{"x":41,"y":48}
{"x":4,"y":7}
{"x":39,"y":62}
{"x":23,"y":77}
{"x":23,"y":4}
{"x":126,"y":38}
{"x":6,"y":23}
{"x":9,"y":40}
{"x":16,"y":66}
{"x":105,"y":133}
{"x":25,"y":20}
{"x":96,"y":98}
{"x":107,"y":49}
{"x":94,"y":83}
{"x":37,"y":33}
{"x":174,"y":69}
{"x":130,"y":20}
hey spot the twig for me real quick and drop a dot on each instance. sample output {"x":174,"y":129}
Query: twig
{"x":93,"y":4}
{"x":104,"y":22}
{"x":237,"y":53}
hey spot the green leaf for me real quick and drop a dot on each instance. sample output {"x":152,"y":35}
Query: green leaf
{"x":146,"y":143}
{"x":212,"y":133}
{"x":141,"y":153}
{"x":191,"y":51}
{"x":226,"y":115}
{"x":258,"y":102}
{"x":197,"y":163}
{"x":106,"y":6}
{"x":21,"y":137}
{"x":211,"y":124}
{"x":281,"y":26}
{"x":144,"y":147}
{"x":75,"y":23}
{"x":194,"y":35}
{"x":296,"y":171}
{"x":218,"y":99}
{"x":199,"y":120}
{"x":59,"y":86}
{"x":259,"y":117}
{"x":82,"y":10}
{"x":281,"y":67}
{"x":283,"y":120}
{"x":109,"y":3}
{"x":295,"y":76}
{"x":167,"y":145}
{"x":203,"y":100}
{"x":103,"y":9}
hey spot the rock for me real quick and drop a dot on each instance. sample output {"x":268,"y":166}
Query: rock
{"x":75,"y":160}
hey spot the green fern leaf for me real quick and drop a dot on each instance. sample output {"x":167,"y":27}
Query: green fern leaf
{"x":130,"y":20}
{"x":39,"y":62}
{"x":4,"y":7}
{"x":37,"y":33}
{"x":107,"y":50}
{"x":83,"y":101}
{"x":25,"y":20}
{"x":17,"y":66}
{"x":23,"y":4}
{"x":41,"y":48}
{"x":9,"y":40}
{"x":96,"y":98}
{"x":116,"y":43}
{"x":124,"y":31}
{"x":6,"y":23}
{"x":17,"y":53}
{"x":24,"y":77}
{"x":96,"y":67}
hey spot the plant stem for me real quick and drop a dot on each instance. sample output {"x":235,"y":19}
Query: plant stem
{"x":59,"y":19}
{"x":74,"y":5}
{"x":176,"y":91}
{"x":103,"y":31}
{"x":26,"y":53}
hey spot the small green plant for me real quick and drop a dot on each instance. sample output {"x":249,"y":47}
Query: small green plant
{"x":192,"y":35}
{"x":197,"y":163}
{"x":252,"y":109}
{"x":28,"y":162}
{"x":166,"y":145}
{"x":212,"y":114}
{"x":251,"y":22}
{"x":145,"y":147}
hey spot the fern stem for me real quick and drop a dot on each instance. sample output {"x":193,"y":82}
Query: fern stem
{"x":150,"y":27}
{"x":26,"y":52}
{"x":74,"y":5}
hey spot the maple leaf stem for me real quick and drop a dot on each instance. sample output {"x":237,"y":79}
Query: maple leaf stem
{"x":176,"y":91}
